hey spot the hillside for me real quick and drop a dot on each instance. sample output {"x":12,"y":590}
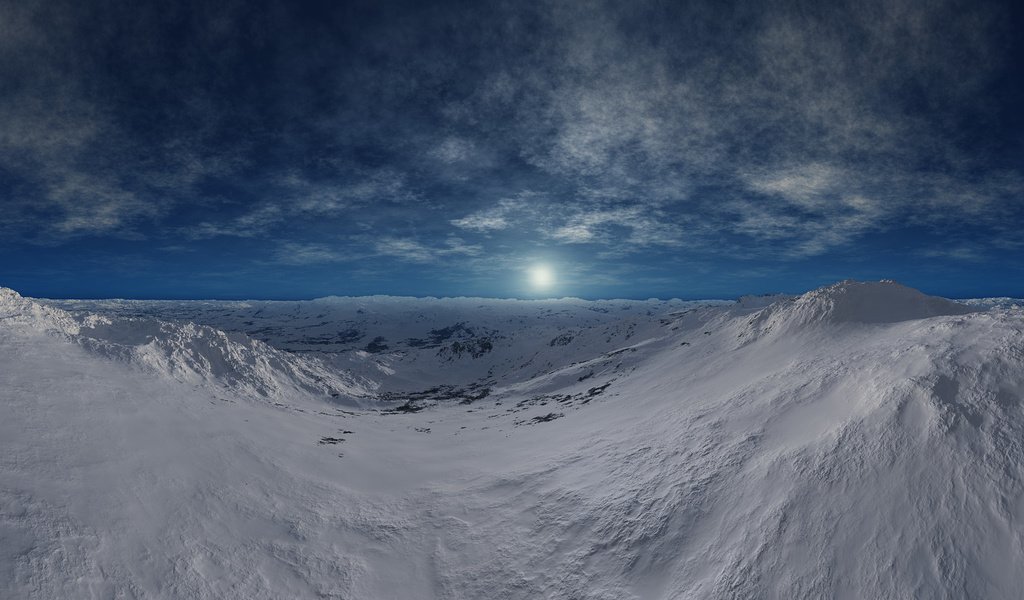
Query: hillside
{"x":861,"y":440}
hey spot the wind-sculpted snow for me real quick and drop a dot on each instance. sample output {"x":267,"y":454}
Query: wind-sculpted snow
{"x":1001,"y":303}
{"x":19,"y":312}
{"x":859,"y":441}
{"x":191,"y":353}
{"x":199,"y":354}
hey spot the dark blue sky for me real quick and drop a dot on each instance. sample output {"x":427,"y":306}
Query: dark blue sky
{"x":294,"y":149}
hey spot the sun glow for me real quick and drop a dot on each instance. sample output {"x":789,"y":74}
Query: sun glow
{"x":542,"y":277}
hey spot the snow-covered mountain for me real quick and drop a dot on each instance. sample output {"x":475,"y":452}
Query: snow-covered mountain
{"x":409,"y":344}
{"x":861,"y":440}
{"x":189,"y":352}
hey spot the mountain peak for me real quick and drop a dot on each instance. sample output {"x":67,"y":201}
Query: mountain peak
{"x":884,"y":301}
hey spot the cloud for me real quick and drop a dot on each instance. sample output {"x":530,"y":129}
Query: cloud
{"x":483,"y":221}
{"x":74,"y":158}
{"x":369,"y":187}
{"x":643,"y":226}
{"x":414,"y":251}
{"x":505,"y":214}
{"x":599,"y":127}
{"x":817,"y":110}
{"x":960,"y":252}
{"x":595,"y":219}
{"x":806,"y":186}
{"x":454,"y":150}
{"x":813,"y":207}
{"x":294,"y":198}
{"x":308,"y":254}
{"x":250,"y":224}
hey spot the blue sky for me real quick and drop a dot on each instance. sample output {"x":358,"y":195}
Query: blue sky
{"x":295,"y":149}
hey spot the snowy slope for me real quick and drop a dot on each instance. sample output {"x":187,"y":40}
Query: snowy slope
{"x":860,"y":441}
{"x":192,"y":353}
{"x":412,"y":344}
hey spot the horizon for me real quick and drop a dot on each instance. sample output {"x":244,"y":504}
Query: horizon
{"x":500,"y":298}
{"x":593,"y":150}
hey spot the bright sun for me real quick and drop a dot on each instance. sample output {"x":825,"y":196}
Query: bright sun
{"x":542,"y":277}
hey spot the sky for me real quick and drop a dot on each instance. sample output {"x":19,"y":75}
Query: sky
{"x":632,"y":149}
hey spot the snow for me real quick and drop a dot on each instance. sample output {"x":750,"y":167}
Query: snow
{"x":861,"y":440}
{"x":871,"y":302}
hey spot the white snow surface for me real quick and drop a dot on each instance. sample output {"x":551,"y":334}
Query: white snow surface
{"x":862,"y":440}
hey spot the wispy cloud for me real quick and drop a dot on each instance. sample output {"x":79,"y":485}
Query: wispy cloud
{"x":78,"y":166}
{"x":294,"y":198}
{"x":643,"y":228}
{"x":308,"y":254}
{"x":415,"y":251}
{"x":604,"y":128}
{"x":506,"y":213}
{"x":371,"y":187}
{"x":250,"y":224}
{"x":484,"y":221}
{"x":959,"y":252}
{"x":806,"y":115}
{"x":455,"y":150}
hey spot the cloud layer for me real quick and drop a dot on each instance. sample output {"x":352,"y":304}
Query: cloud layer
{"x":478,"y":136}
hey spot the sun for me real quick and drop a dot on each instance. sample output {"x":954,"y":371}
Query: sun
{"x":542,"y":277}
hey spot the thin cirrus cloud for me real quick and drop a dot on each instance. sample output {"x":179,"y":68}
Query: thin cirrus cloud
{"x":643,"y":228}
{"x":505,"y":214}
{"x":292,"y":253}
{"x":620,"y":132}
{"x":407,"y":249}
{"x":795,"y":91}
{"x":412,"y":250}
{"x":74,"y":167}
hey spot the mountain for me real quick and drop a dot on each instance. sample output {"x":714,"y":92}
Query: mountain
{"x":860,"y":440}
{"x":409,"y":344}
{"x":190,"y":353}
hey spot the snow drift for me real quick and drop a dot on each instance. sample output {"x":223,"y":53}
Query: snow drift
{"x":862,"y":440}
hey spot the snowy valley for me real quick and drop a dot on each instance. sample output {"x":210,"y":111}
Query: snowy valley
{"x":862,"y":440}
